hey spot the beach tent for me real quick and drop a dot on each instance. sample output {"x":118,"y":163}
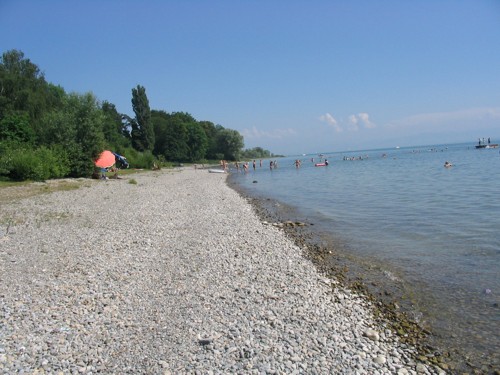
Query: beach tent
{"x":105,"y":160}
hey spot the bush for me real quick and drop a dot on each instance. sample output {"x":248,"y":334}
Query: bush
{"x":19,"y":162}
{"x":138,"y":159}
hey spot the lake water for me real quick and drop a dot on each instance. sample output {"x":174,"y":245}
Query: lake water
{"x":432,"y":231}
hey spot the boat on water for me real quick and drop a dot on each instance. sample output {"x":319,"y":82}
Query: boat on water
{"x":491,"y":145}
{"x":486,"y":143}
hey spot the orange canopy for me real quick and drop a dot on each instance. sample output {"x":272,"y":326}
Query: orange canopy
{"x":105,"y":160}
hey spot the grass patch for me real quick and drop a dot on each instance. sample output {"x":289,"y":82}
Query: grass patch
{"x":13,"y":191}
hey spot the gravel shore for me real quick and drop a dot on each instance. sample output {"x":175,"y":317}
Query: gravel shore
{"x":174,"y":275}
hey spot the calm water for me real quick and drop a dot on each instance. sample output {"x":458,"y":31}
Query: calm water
{"x":434,"y":230}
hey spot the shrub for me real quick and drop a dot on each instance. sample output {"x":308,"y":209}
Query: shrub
{"x":20,"y":162}
{"x":138,"y":159}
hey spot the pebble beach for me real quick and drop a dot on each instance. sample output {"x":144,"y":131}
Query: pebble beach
{"x":174,"y":274}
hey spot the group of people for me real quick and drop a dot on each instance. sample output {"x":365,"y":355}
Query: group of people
{"x":483,"y":140}
{"x":357,"y":157}
{"x":245,"y":166}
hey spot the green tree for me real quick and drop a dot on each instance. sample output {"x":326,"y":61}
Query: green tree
{"x":78,"y":129}
{"x":211,"y":133}
{"x":197,"y":142}
{"x":23,"y":89}
{"x":143,"y":137}
{"x":16,"y":127}
{"x":113,"y":127}
{"x":255,"y":153}
{"x":160,"y":121}
{"x":229,"y":143}
{"x":175,"y":146}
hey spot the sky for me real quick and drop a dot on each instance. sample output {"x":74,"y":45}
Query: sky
{"x":292,"y":76}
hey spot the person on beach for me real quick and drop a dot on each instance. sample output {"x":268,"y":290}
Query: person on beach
{"x":245,"y":167}
{"x":297,"y":163}
{"x":261,"y":163}
{"x":253,"y":165}
{"x":271,"y":165}
{"x":447,"y":164}
{"x":326,"y":161}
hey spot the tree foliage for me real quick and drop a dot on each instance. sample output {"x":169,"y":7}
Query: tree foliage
{"x":256,"y":153}
{"x":229,"y":143}
{"x":143,"y":137}
{"x":48,"y":133}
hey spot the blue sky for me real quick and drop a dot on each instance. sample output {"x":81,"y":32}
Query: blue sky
{"x":291,"y":76}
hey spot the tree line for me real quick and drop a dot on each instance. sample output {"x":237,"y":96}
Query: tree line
{"x":46,"y":132}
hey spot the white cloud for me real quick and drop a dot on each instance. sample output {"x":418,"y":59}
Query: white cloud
{"x":354,"y":122}
{"x":330,"y":120}
{"x":364,"y":118}
{"x":255,"y":133}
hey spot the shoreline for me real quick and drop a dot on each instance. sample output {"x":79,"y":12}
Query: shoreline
{"x":392,"y":305}
{"x":175,"y":274}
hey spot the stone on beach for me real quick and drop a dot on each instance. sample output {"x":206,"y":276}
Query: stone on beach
{"x":169,"y":275}
{"x":371,"y":334}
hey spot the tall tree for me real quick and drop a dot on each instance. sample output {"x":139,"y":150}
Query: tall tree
{"x":211,"y":133}
{"x":229,"y":142}
{"x":113,"y":127}
{"x":197,"y":142}
{"x":175,"y":147}
{"x":23,"y":88}
{"x":160,"y":121}
{"x":143,"y":136}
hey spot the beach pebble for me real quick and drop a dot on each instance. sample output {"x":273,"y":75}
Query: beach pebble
{"x":371,"y":334}
{"x":174,"y":275}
